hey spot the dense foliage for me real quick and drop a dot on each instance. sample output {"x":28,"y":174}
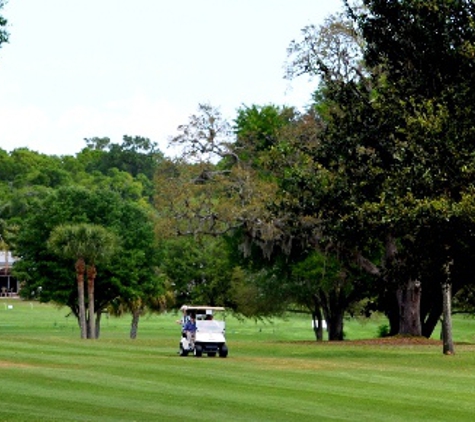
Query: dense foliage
{"x":362,"y":202}
{"x":41,"y":193}
{"x":376,"y":176}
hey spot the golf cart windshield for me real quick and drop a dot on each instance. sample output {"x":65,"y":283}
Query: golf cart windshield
{"x":210,"y":326}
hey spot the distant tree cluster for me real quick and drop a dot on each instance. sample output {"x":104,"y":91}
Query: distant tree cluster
{"x":87,"y":219}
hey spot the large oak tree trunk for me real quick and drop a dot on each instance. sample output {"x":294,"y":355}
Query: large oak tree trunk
{"x":80,"y":269}
{"x":334,"y":311}
{"x":335,"y":326}
{"x":409,"y":301}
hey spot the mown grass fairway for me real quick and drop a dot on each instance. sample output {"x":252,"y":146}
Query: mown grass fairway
{"x":274,"y":372}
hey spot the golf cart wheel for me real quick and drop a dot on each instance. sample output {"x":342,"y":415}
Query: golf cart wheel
{"x":211,"y":354}
{"x":223,"y":351}
{"x":182,"y":351}
{"x":198,"y":351}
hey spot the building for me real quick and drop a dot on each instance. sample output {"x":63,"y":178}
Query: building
{"x":9,"y":285}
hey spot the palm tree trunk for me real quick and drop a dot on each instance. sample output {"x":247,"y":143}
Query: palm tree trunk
{"x":80,"y":269}
{"x":91,"y":275}
{"x":448,"y":343}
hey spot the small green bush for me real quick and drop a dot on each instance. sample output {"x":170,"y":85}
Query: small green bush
{"x":383,"y":330}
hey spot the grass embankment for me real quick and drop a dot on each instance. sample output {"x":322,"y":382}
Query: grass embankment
{"x":274,"y":372}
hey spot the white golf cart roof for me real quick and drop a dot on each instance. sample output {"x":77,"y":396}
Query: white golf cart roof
{"x":201,"y":308}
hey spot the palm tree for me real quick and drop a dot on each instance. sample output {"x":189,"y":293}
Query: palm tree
{"x":88,"y":244}
{"x":102,"y":244}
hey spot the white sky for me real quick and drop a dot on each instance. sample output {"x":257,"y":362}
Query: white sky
{"x":76,"y":69}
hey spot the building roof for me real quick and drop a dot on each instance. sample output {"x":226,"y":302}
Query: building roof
{"x":6,"y":259}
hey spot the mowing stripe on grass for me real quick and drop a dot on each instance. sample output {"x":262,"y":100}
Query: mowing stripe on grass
{"x":49,"y":374}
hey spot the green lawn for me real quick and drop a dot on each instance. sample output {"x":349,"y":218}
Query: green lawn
{"x":274,"y":372}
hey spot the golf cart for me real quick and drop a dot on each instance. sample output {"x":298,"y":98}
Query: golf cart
{"x":209,"y":337}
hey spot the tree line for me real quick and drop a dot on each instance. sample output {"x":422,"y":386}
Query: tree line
{"x":362,"y":202}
